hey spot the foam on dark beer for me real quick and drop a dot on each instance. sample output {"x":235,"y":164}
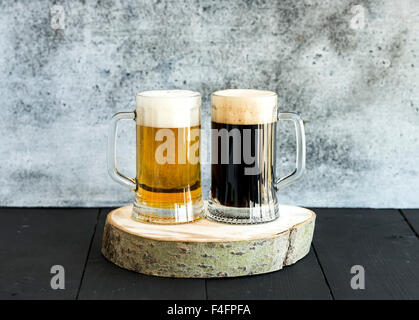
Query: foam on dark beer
{"x":244,"y":106}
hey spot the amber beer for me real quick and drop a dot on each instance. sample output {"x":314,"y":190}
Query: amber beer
{"x":168,"y":166}
{"x":168,"y":180}
{"x":166,"y":183}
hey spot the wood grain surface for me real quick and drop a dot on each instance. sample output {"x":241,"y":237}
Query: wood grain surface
{"x":207,"y":249}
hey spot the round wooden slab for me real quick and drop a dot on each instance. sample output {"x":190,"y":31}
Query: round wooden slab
{"x":207,"y":249}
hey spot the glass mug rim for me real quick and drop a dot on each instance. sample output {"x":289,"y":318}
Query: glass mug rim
{"x":244,"y":93}
{"x":168,"y":94}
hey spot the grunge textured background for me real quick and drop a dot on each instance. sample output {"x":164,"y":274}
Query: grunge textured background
{"x":354,"y":82}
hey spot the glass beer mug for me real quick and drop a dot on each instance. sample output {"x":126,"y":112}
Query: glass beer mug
{"x":168,"y":181}
{"x":243,"y":183}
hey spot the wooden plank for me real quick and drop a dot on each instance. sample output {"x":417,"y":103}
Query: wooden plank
{"x":104,"y":280}
{"x":304,"y":280}
{"x":412,"y":216}
{"x":34,"y":240}
{"x":380,"y":241}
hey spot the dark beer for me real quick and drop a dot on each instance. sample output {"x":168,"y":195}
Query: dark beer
{"x":230,"y":185}
{"x":243,"y":148}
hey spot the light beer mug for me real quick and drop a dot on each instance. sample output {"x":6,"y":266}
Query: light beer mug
{"x":243,"y":183}
{"x":168,"y":180}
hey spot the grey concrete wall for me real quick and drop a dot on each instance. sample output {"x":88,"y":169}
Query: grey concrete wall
{"x":355,"y":83}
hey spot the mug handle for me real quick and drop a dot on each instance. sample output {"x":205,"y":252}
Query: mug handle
{"x":112,"y":169}
{"x":300,"y":162}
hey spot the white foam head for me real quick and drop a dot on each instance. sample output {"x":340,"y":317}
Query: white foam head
{"x":244,"y":106}
{"x":169,"y":108}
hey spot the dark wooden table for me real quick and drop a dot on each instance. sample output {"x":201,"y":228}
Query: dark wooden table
{"x":384,"y":242}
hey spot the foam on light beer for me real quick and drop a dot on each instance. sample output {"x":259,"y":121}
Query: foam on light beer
{"x":168,"y":108}
{"x":244,"y":106}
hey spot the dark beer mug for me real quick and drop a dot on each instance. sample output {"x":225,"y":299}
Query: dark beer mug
{"x":243,"y":183}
